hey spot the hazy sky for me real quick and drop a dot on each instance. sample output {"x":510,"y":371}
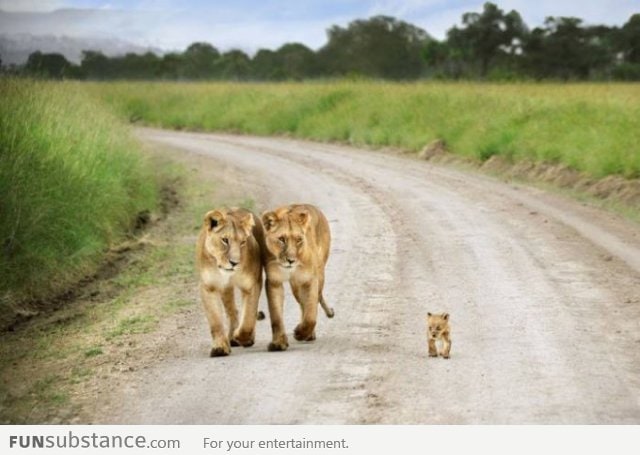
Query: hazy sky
{"x":249,"y":24}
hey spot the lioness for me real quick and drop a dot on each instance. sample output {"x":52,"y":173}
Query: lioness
{"x":298,"y":242}
{"x":228,"y":255}
{"x":438,"y":329}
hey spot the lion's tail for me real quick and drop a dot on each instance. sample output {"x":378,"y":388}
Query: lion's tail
{"x":327,"y":310}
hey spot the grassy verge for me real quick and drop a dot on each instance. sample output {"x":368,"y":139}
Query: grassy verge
{"x":592,"y":128}
{"x":72,"y":181}
{"x":56,"y":368}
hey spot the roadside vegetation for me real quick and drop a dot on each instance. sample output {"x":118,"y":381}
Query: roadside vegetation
{"x":592,"y":128}
{"x":55,"y":367}
{"x":73,"y":182}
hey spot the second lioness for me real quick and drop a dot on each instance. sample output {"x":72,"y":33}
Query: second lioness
{"x":298,"y":242}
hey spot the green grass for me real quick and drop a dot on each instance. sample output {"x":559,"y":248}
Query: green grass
{"x":72,"y":180}
{"x":94,"y":351}
{"x":133,"y":325}
{"x":594,"y":128}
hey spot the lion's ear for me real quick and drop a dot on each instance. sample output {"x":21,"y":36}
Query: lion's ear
{"x":214,"y":219}
{"x":302,"y":217}
{"x":445,"y":316}
{"x":269,"y":220}
{"x":246,"y":223}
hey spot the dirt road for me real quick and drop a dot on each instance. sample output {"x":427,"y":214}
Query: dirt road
{"x":543,"y":292}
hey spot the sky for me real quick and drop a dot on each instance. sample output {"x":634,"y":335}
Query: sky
{"x":253,"y":24}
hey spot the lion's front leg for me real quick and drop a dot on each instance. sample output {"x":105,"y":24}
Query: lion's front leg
{"x":307,"y":296}
{"x":446,"y":345}
{"x":245,"y":333}
{"x":228,"y":300}
{"x":212,"y":303}
{"x":433,"y":350}
{"x":275,"y":297}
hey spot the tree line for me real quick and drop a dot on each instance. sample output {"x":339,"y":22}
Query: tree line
{"x":492,"y":44}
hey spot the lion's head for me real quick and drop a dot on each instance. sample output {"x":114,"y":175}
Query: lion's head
{"x":438,"y":324}
{"x":227,"y":232}
{"x":286,"y":234}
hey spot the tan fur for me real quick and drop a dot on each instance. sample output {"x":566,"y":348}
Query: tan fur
{"x":297,"y":241}
{"x":229,"y":256}
{"x":439,"y":330}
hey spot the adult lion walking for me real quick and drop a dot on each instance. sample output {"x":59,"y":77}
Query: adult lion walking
{"x":228,"y":256}
{"x":297,"y":249}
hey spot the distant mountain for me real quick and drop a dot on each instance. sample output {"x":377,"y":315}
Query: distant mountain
{"x":15,"y":48}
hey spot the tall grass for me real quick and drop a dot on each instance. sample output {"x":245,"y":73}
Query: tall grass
{"x":594,"y":128}
{"x":71,"y":183}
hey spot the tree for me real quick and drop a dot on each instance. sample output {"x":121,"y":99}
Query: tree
{"x":378,"y":47}
{"x":266,"y":65}
{"x":486,"y":37}
{"x":171,"y":66}
{"x":47,"y":65}
{"x":199,"y":61}
{"x":627,"y":44}
{"x":443,"y":60}
{"x":564,"y":49}
{"x":297,"y":61}
{"x":630,"y":40}
{"x":135,"y":66}
{"x":95,"y":65}
{"x":234,"y":64}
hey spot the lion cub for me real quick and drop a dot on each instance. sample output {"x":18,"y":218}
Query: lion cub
{"x":438,"y":329}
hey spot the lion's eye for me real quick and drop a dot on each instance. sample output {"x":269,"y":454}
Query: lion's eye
{"x":282,"y":239}
{"x":225,"y":240}
{"x":299,"y":240}
{"x":243,"y":243}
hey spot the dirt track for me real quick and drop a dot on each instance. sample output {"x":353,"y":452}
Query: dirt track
{"x":544,"y":297}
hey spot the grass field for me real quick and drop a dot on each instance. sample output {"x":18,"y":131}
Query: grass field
{"x":72,"y":181}
{"x":594,"y":128}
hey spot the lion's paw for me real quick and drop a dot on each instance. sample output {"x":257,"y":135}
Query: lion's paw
{"x":280,"y":344}
{"x":276,"y":347}
{"x":302,"y":333}
{"x":244,"y":339}
{"x":220,"y":351}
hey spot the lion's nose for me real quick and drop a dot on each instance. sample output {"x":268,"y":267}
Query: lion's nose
{"x":291,"y":261}
{"x":233,"y":263}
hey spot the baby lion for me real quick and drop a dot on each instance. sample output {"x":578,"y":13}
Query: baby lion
{"x":438,"y":325}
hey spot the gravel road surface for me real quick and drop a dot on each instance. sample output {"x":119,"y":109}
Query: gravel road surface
{"x":543,"y":293}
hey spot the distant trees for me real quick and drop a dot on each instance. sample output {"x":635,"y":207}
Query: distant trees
{"x":198,"y":61}
{"x":54,"y":66}
{"x":490,"y":44}
{"x":95,"y":65}
{"x":234,"y":65}
{"x":297,"y":62}
{"x":628,"y":43}
{"x":486,"y":39}
{"x":563,"y":49}
{"x":493,"y":44}
{"x":291,"y":61}
{"x":381,"y":47}
{"x":629,"y":39}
